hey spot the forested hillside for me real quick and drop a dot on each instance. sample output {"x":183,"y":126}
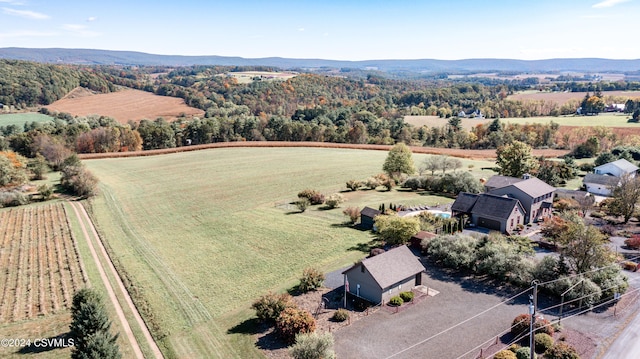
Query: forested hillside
{"x":307,"y":107}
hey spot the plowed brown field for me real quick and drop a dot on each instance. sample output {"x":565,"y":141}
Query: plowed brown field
{"x":472,"y":154}
{"x":564,"y":97}
{"x":124,"y":105}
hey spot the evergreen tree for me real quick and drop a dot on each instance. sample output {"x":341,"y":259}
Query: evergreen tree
{"x":90,"y":327}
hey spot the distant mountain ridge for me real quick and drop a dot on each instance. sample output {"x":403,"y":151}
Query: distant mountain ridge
{"x":109,"y":57}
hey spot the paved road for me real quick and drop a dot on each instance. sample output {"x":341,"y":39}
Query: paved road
{"x":83,"y":218}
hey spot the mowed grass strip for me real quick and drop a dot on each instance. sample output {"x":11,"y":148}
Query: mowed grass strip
{"x":205,"y":233}
{"x":19,"y":119}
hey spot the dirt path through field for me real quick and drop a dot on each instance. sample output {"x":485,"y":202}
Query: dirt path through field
{"x":83,"y":218}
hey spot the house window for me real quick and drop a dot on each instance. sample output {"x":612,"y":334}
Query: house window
{"x":518,"y":219}
{"x":511,"y":222}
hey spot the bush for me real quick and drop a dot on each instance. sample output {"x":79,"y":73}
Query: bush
{"x":524,"y":353}
{"x":633,"y":242}
{"x":45,"y":191}
{"x":312,"y":195}
{"x":566,"y":204}
{"x":13,"y":198}
{"x":79,"y":180}
{"x":313,"y":346}
{"x":630,"y":266}
{"x":340,"y":315}
{"x":543,"y":342}
{"x":294,"y":321}
{"x":302,"y":204}
{"x":453,"y":251}
{"x":269,"y":306}
{"x":608,"y":229}
{"x":521,"y":323}
{"x":311,"y":279}
{"x":505,"y":354}
{"x":561,"y":351}
{"x":372,"y":183}
{"x":334,"y":200}
{"x":597,"y":214}
{"x":396,"y":301}
{"x":353,"y":213}
{"x":353,"y":185}
{"x":407,"y":296}
{"x":375,"y":251}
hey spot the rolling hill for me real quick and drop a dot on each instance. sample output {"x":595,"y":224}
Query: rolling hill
{"x":107,"y":57}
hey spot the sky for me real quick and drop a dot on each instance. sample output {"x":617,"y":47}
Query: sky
{"x":331,"y":29}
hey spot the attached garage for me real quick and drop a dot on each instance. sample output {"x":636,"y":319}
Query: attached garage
{"x":489,"y":223}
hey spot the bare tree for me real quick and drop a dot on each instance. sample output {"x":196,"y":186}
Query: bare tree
{"x":625,"y":197}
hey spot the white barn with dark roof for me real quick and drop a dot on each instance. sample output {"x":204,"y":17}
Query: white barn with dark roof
{"x":381,"y":277}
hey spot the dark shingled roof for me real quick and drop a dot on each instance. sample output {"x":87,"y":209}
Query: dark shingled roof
{"x":392,"y":266}
{"x":489,"y":205}
{"x":369,"y":212}
{"x":464,"y":202}
{"x":501,"y":181}
{"x":601,"y":179}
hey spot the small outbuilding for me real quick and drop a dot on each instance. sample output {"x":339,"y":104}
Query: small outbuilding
{"x":367,"y":217}
{"x":417,"y":239}
{"x":381,"y":277}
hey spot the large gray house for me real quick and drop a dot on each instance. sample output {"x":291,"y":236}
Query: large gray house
{"x":535,"y":196}
{"x":500,"y":213}
{"x":381,"y":277}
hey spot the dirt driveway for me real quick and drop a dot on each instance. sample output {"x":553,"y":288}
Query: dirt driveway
{"x":384,"y":335}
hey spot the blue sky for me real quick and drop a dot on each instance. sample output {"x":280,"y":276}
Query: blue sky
{"x":331,"y":29}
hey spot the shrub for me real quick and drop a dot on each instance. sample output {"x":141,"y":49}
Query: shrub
{"x":302,"y":204}
{"x":375,"y":251}
{"x":524,"y":353}
{"x":505,"y":354}
{"x":521,"y":323}
{"x":294,"y":321}
{"x":13,"y":198}
{"x":407,"y":296}
{"x":633,"y":242}
{"x":312,"y":195}
{"x":453,"y":251}
{"x":543,"y":342}
{"x":629,"y":265}
{"x":45,"y":191}
{"x":414,"y":183}
{"x":79,"y":180}
{"x":313,"y":346}
{"x":372,"y":183}
{"x":269,"y":306}
{"x":353,"y":213}
{"x":561,"y":350}
{"x":353,"y":185}
{"x":597,"y":214}
{"x":566,"y":204}
{"x":340,"y":315}
{"x":608,"y":229}
{"x":334,"y":200}
{"x":311,"y":279}
{"x":396,"y":301}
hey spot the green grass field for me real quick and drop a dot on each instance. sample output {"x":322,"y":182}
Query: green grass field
{"x":19,"y":119}
{"x":205,"y":233}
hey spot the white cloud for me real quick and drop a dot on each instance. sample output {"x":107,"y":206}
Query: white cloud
{"x":15,"y":34}
{"x":608,"y":3}
{"x":80,"y":30}
{"x":301,"y":29}
{"x":12,"y":2}
{"x":92,"y":18}
{"x":25,"y":13}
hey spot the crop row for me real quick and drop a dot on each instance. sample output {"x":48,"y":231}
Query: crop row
{"x":41,"y":267}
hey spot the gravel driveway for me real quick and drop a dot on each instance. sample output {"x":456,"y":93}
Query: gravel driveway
{"x":384,"y":334}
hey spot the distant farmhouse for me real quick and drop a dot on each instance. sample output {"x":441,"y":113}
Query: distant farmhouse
{"x":381,"y":277}
{"x":607,"y":176}
{"x":507,"y":203}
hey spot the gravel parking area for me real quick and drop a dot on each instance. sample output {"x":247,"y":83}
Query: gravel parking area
{"x":426,"y":330}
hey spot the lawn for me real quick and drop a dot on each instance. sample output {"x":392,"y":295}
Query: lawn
{"x":19,"y":119}
{"x":204,"y":233}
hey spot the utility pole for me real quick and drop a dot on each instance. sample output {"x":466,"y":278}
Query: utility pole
{"x":533,"y":307}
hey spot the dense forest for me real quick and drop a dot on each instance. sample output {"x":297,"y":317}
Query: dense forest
{"x":307,"y":107}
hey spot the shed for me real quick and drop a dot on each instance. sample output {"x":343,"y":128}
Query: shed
{"x":381,"y":277}
{"x":418,"y":237}
{"x":600,"y":184}
{"x":367,"y":217}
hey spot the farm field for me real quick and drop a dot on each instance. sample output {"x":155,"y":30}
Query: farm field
{"x":202,"y":244}
{"x":124,"y":105}
{"x":604,"y":119}
{"x":248,"y":76}
{"x":564,"y":97}
{"x":41,"y":271}
{"x":19,"y":119}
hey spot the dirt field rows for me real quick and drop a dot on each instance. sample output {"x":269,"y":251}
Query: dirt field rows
{"x":40,"y":263}
{"x":124,"y":105}
{"x":564,"y":97}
